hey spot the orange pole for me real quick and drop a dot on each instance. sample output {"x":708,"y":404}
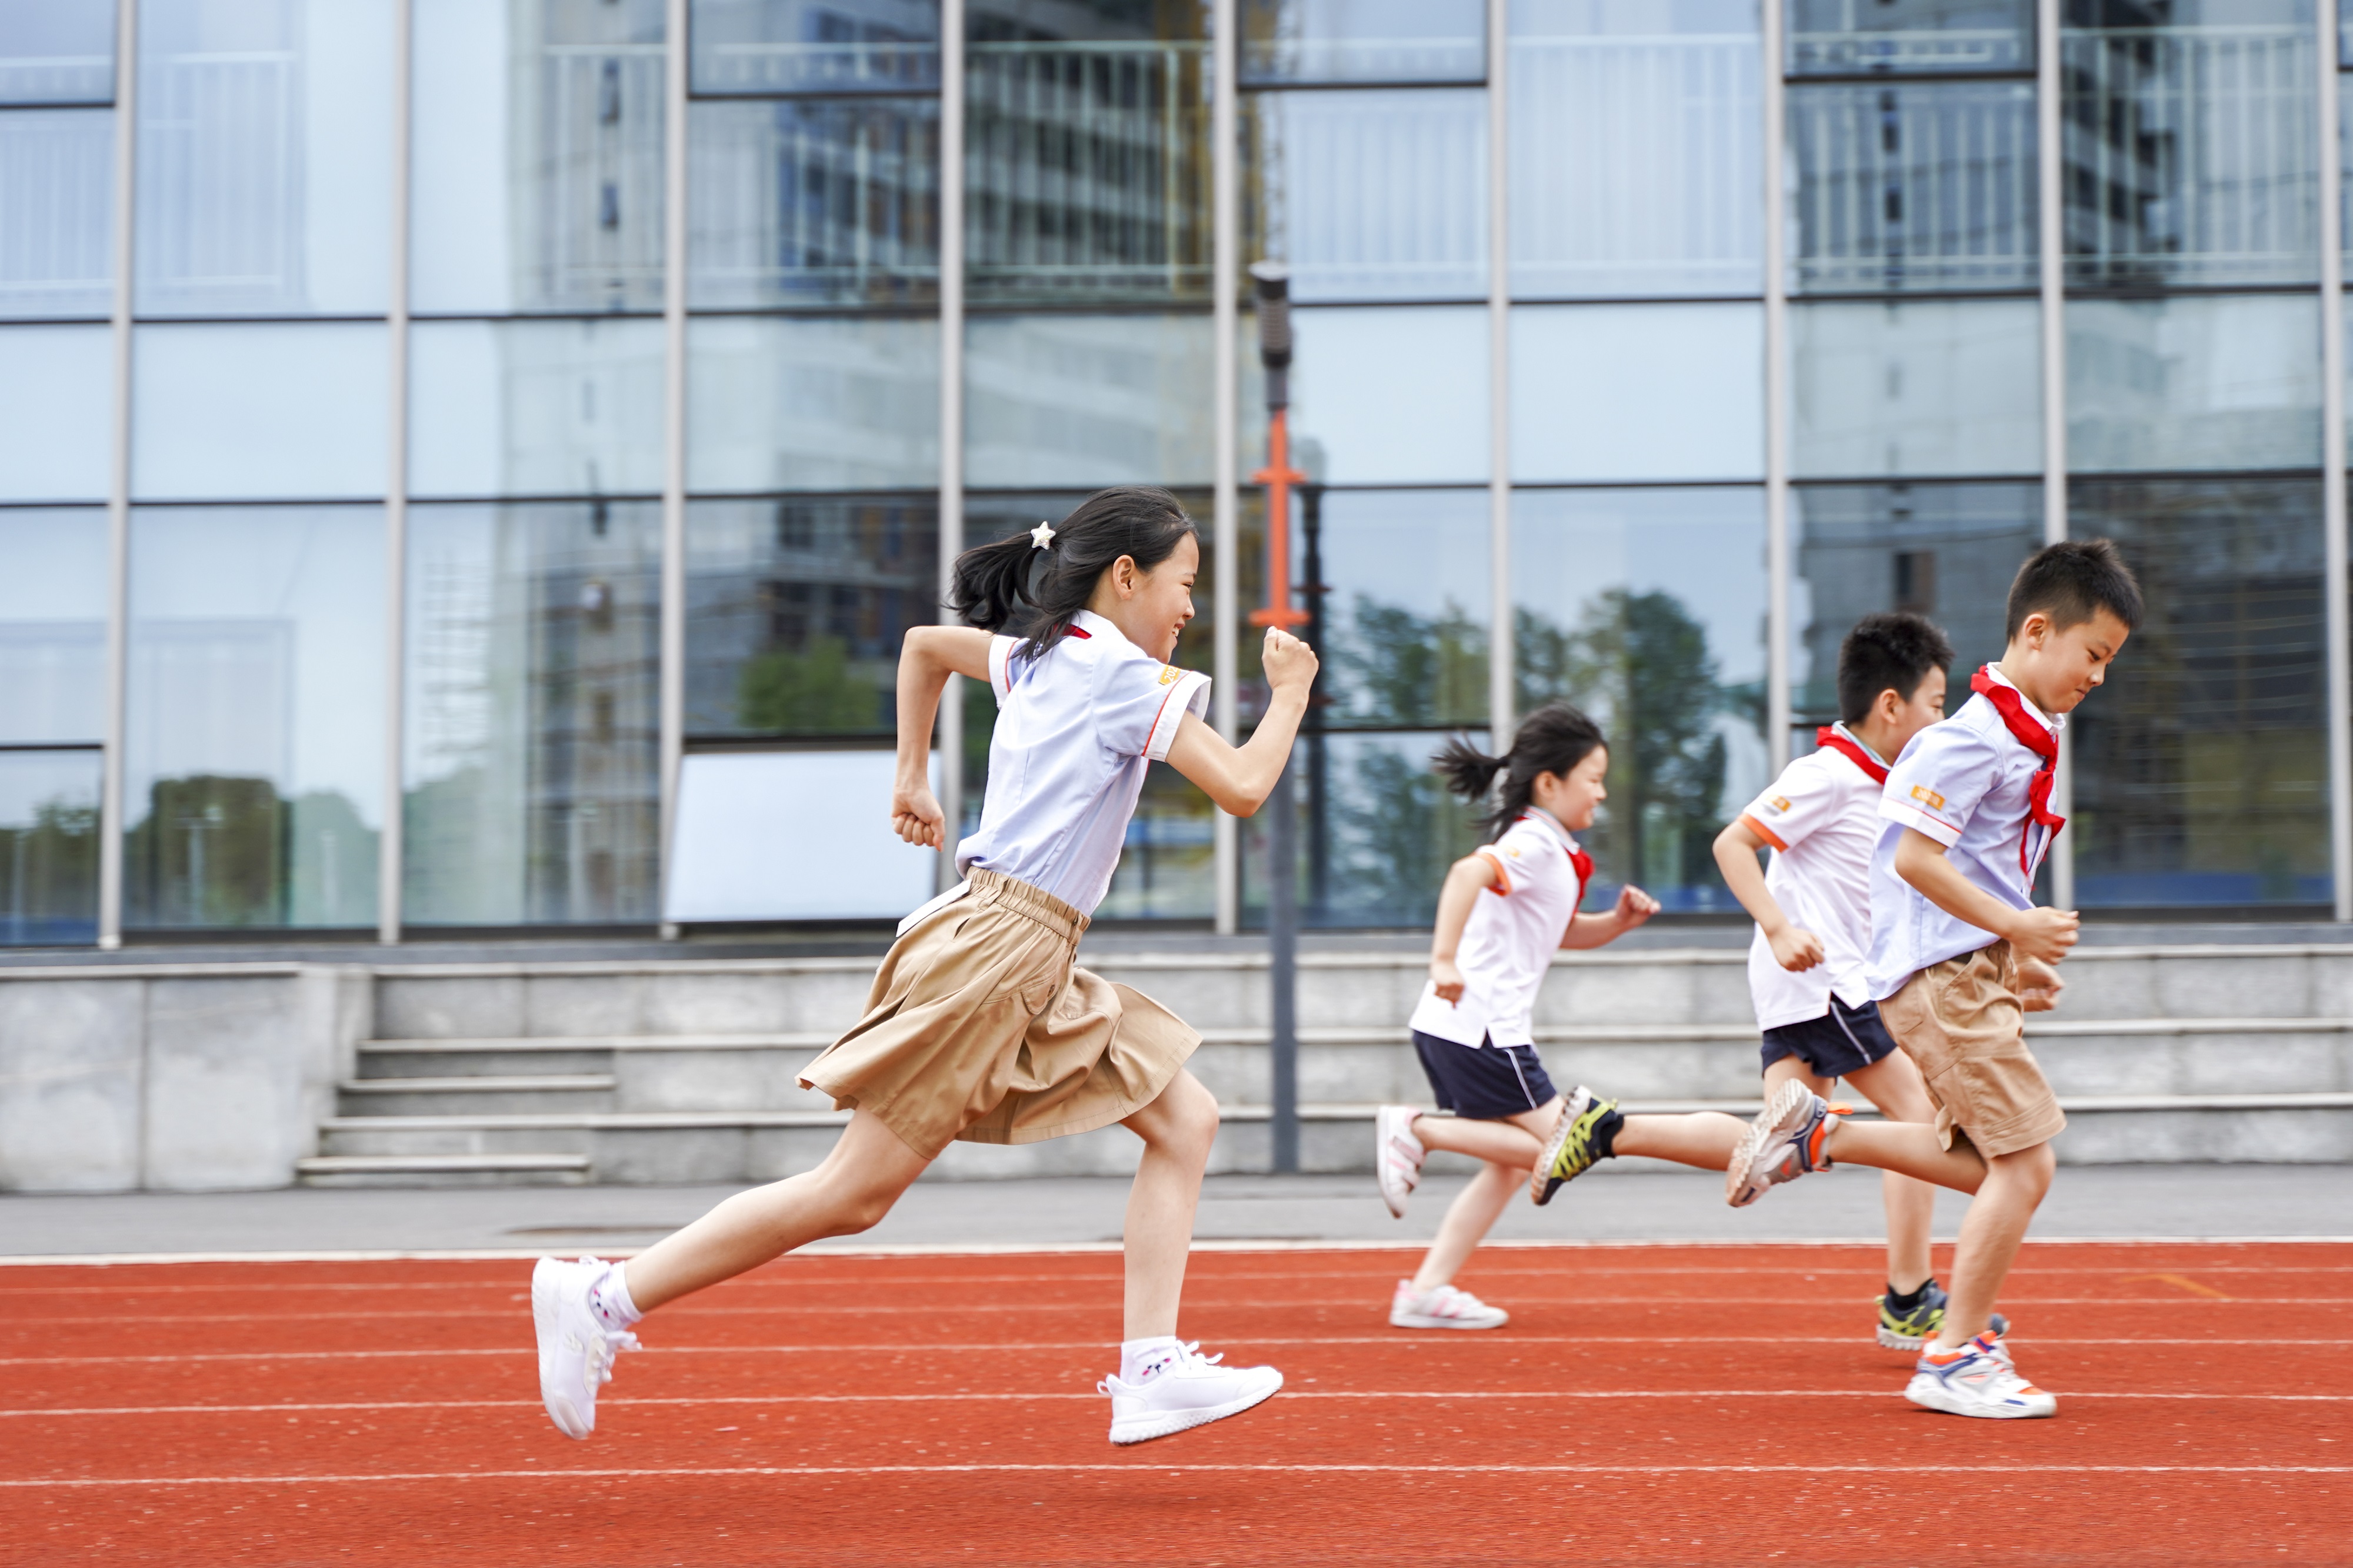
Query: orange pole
{"x":1277,"y":477}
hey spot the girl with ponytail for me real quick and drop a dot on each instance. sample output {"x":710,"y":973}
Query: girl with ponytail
{"x":979,"y":1025}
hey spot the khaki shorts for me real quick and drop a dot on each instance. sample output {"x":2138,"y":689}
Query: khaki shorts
{"x":980,"y":1026}
{"x":1961,"y":1021}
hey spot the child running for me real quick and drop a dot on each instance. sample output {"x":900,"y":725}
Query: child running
{"x":978,"y":1025}
{"x":1503,"y":912}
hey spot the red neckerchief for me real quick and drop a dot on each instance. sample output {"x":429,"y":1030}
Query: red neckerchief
{"x":1830,"y":739}
{"x":2036,"y":737}
{"x":1577,"y":859}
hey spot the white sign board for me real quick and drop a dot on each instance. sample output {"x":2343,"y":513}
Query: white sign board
{"x":792,"y":835}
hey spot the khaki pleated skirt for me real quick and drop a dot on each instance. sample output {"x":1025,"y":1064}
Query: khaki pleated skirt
{"x":981,"y":1026}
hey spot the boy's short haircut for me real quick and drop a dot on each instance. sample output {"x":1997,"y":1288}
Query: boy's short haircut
{"x":1887,"y":652}
{"x":2072,"y":580}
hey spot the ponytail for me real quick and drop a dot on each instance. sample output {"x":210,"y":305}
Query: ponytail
{"x":1030,"y":591}
{"x":1552,"y":740}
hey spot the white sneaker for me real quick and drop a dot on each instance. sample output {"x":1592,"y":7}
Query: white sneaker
{"x":1444,"y":1308}
{"x":1192,"y":1389}
{"x":1789,"y":1139}
{"x":1976,"y":1379}
{"x":575,"y":1350}
{"x":1398,"y":1155}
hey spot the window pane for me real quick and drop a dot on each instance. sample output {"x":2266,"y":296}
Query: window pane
{"x":253,"y":755}
{"x":1379,"y":396}
{"x":49,"y":847}
{"x":52,"y":626}
{"x":1638,"y":391}
{"x":1944,"y":386}
{"x":1369,"y":195}
{"x":815,"y":45}
{"x":1362,"y":40}
{"x":818,"y":202}
{"x":1646,"y":608}
{"x":532,"y":738}
{"x":538,"y":137}
{"x":796,"y":609}
{"x":1376,"y":830}
{"x":1089,"y":401}
{"x":1633,"y":160}
{"x":1924,"y":185}
{"x":56,"y":51}
{"x":1168,"y":867}
{"x":259,"y":412}
{"x":57,"y":409}
{"x":1945,"y":551}
{"x":57,"y":212}
{"x":2193,"y":382}
{"x":1405,"y":614}
{"x":2201,"y":773}
{"x":1087,"y":171}
{"x":814,"y":403}
{"x":2192,"y":156}
{"x":500,"y":409}
{"x":265,"y":158}
{"x":1881,"y":38}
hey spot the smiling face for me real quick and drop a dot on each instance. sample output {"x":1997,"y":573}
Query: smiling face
{"x":1573,"y":797}
{"x":2056,"y":667}
{"x":1150,"y":606}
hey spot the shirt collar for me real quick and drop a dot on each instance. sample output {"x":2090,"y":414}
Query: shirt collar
{"x":1096,"y":626}
{"x":1568,"y":839}
{"x":1868,"y":749}
{"x":2053,"y":722}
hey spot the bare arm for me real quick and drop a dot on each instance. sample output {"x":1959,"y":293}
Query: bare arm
{"x":1466,"y":881}
{"x":1634,"y":906}
{"x":1239,"y":778}
{"x":2041,"y":935}
{"x":1795,"y":948}
{"x":926,"y":658}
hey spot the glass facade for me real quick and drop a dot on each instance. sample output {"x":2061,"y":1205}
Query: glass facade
{"x":398,"y":523}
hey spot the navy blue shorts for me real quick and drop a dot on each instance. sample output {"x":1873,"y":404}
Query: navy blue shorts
{"x":1838,"y":1042}
{"x":1483,"y":1083}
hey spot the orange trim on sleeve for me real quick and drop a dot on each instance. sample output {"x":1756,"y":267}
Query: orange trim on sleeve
{"x":1487,"y":852}
{"x":1763,"y":832}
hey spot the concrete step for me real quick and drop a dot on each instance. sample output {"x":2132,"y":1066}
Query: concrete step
{"x":481,"y":1094}
{"x":442,"y":1170}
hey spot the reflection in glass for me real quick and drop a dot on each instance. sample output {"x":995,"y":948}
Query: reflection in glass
{"x":57,"y":411}
{"x":1369,"y":195}
{"x":56,"y":51}
{"x":254,"y":748}
{"x":52,"y":626}
{"x":49,"y":847}
{"x":538,"y":156}
{"x":812,"y":402}
{"x":1944,"y":551}
{"x":1068,"y":400}
{"x":1921,"y":186}
{"x":757,"y":46}
{"x":2191,"y":145}
{"x":1377,"y":829}
{"x":533,"y":735}
{"x":795,"y":610}
{"x":1646,"y":608}
{"x":1910,"y":37}
{"x":1921,"y":386}
{"x":2213,"y":382}
{"x":821,"y":201}
{"x":265,"y":158}
{"x":57,"y":212}
{"x":1638,"y":391}
{"x":2200,"y":767}
{"x":259,"y":412}
{"x":1363,"y":41}
{"x":1633,"y":158}
{"x":1380,"y":396}
{"x":1402,"y":615}
{"x":501,"y":408}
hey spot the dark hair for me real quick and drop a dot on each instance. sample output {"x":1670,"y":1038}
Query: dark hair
{"x":1013,"y":586}
{"x":1552,"y":740}
{"x":2072,"y":580}
{"x":1886,"y":652}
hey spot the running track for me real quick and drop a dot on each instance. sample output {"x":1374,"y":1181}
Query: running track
{"x":1664,"y":1403}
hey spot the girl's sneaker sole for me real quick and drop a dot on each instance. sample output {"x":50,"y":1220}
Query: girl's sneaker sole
{"x":1934,"y":1397}
{"x":1423,"y":1320}
{"x":1169,"y":1422}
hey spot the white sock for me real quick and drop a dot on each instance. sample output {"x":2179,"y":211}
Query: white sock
{"x":1141,"y":1361}
{"x":608,"y":1298}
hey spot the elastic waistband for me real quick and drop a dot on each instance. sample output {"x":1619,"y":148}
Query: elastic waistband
{"x":1022,"y":898}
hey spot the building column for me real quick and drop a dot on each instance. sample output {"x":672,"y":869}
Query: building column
{"x":1501,"y":719}
{"x":2332,"y":471}
{"x":1777,"y":707}
{"x":118,"y":501}
{"x":951,"y":719}
{"x":673,"y":515}
{"x":2049,"y":148}
{"x":1225,"y":575}
{"x":389,"y":839}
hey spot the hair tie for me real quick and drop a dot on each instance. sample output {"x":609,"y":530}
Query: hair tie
{"x":1042,"y":536}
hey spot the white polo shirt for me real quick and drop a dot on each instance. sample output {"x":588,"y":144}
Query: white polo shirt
{"x":1822,"y":817}
{"x":1077,"y":727}
{"x":1514,"y":928}
{"x":1965,"y":782}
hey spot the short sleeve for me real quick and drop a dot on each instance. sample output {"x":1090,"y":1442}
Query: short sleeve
{"x":1937,"y":785}
{"x":1494,"y":857}
{"x":1804,"y":797}
{"x":1140,"y":703}
{"x":1000,"y":665}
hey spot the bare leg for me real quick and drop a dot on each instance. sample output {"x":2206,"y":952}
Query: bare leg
{"x":1515,"y":1143}
{"x":1893,"y":1084}
{"x":1990,"y":1233}
{"x":850,"y":1190}
{"x":1467,"y":1220}
{"x":1177,"y":1129}
{"x":1911,"y":1147}
{"x":1703,"y":1138}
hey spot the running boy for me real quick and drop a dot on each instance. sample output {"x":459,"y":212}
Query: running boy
{"x":978,"y":1025}
{"x":1503,"y":911}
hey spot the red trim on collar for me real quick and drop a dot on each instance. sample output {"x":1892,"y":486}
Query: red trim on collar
{"x":1830,"y":740}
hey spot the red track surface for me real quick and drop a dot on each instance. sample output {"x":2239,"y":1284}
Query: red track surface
{"x":1645,"y":1404}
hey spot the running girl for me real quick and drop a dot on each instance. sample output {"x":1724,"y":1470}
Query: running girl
{"x":978,"y":1025}
{"x":1487,"y":959}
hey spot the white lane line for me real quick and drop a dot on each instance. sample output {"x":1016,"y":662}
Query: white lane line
{"x":1147,"y":1468}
